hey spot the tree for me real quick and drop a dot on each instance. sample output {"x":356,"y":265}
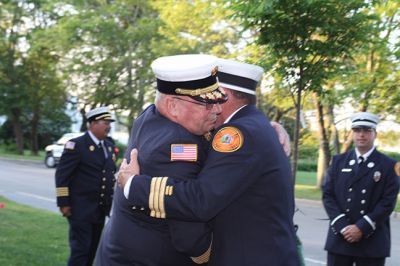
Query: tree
{"x":373,"y":76}
{"x":305,"y":40}
{"x":29,"y":83}
{"x":46,"y":95}
{"x":114,"y":43}
{"x":108,"y":60}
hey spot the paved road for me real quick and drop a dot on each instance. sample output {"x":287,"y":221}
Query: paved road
{"x":32,"y":183}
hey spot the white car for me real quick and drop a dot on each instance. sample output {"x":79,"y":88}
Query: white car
{"x":54,"y":151}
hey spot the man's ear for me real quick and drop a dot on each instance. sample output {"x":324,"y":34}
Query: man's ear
{"x":172,"y":107}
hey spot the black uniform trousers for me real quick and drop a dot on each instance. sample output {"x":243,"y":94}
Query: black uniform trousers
{"x":84,"y":238}
{"x":342,"y":260}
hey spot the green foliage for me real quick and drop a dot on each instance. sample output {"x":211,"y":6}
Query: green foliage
{"x":393,"y":155}
{"x":50,"y":127}
{"x":32,"y":237}
{"x":306,"y":37}
{"x":108,"y":60}
{"x":308,"y":165}
{"x":372,"y":75}
{"x":121,"y":149}
{"x":195,"y":26}
{"x":304,"y":42}
{"x":30,"y":87}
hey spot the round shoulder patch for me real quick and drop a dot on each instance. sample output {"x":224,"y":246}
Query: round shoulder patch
{"x":228,"y":139}
{"x":397,"y":168}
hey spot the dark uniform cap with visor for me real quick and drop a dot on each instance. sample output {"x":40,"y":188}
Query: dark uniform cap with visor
{"x":99,"y":113}
{"x":193,"y":75}
{"x":239,"y":76}
{"x":364,"y":120}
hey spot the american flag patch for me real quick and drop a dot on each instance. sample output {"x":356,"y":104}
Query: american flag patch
{"x":70,"y":145}
{"x":183,"y":152}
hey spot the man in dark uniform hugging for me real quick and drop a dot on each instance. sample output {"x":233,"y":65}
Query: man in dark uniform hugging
{"x":245,"y":186}
{"x":359,"y":194}
{"x":169,"y":134}
{"x":84,"y":185}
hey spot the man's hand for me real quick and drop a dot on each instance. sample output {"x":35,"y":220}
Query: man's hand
{"x":65,"y":211}
{"x":352,"y":233}
{"x":283,"y":136}
{"x":128,"y":169}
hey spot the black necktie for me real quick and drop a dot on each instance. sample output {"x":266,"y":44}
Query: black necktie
{"x":360,"y":160}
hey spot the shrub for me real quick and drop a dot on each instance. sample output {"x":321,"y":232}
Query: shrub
{"x":393,"y":155}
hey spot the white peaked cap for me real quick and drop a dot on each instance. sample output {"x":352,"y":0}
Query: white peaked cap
{"x":364,"y":120}
{"x":185,"y":67}
{"x":239,"y":76}
{"x":193,"y":75}
{"x":99,"y":113}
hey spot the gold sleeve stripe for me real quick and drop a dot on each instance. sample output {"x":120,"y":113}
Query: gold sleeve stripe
{"x":62,"y":191}
{"x":162,"y":196}
{"x":156,"y":197}
{"x":169,"y":190}
{"x":203,"y":258}
{"x":151,"y":196}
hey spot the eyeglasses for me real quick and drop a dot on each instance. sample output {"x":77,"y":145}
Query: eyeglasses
{"x":208,"y":106}
{"x":363,"y":130}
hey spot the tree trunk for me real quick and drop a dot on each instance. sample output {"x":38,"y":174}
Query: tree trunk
{"x":335,"y":134}
{"x":296,"y":136}
{"x":347,"y":143}
{"x":34,"y":133}
{"x":324,"y":152}
{"x":17,"y":128}
{"x":84,"y":120}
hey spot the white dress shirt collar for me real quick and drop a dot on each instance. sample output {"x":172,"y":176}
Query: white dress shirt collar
{"x":93,"y":137}
{"x":230,"y":117}
{"x":365,"y":155}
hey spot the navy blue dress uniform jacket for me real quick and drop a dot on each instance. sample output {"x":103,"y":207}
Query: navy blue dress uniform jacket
{"x":85,"y":179}
{"x":131,"y":237}
{"x":364,"y":195}
{"x":246,"y":185}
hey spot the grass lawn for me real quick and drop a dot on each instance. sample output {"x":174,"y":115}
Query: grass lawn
{"x":27,"y":155}
{"x":31,"y":236}
{"x":306,"y":188}
{"x":36,"y":237}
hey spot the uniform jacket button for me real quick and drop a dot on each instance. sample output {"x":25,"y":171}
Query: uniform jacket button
{"x":350,"y":189}
{"x":362,"y":211}
{"x":363,"y":202}
{"x":349,"y":199}
{"x":363,"y":191}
